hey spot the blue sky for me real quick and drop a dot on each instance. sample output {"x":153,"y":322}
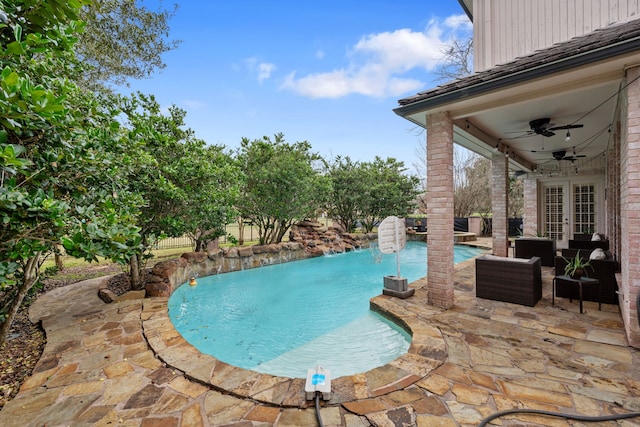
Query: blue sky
{"x":328,"y":72}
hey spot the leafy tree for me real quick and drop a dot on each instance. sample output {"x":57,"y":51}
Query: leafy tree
{"x":211,"y":182}
{"x":123,"y":39}
{"x":60,"y":179}
{"x":348,"y":191}
{"x":282,"y":185}
{"x":187,"y":186}
{"x":369,"y":191}
{"x":389,"y":191}
{"x":180,"y":179}
{"x":38,"y":18}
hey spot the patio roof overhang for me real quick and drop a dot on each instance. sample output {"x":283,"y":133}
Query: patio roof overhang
{"x":576,"y":82}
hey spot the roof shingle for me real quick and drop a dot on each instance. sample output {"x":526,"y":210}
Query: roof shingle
{"x":603,"y":38}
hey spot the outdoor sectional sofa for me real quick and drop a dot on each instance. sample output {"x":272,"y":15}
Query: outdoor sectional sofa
{"x":603,"y":270}
{"x":514,"y":280}
{"x":589,"y":245}
{"x":526,"y":247}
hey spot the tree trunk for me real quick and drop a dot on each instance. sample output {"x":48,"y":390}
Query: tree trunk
{"x":240,"y":231}
{"x":58,"y":260}
{"x":58,"y":257}
{"x":283,"y":227}
{"x":31,"y":271}
{"x":134,"y":273}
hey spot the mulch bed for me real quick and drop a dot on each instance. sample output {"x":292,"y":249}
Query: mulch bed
{"x":19,"y":355}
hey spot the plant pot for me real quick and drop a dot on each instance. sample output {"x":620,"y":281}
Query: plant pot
{"x":577,"y":274}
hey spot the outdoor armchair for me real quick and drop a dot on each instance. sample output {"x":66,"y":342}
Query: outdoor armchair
{"x":514,"y":280}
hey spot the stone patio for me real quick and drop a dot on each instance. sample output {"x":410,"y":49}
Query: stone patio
{"x":123,"y":364}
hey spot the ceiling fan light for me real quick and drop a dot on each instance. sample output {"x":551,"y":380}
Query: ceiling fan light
{"x":568,"y":137}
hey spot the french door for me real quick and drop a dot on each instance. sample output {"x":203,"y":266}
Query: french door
{"x":569,"y":207}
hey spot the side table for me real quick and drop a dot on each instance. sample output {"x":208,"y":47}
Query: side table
{"x":581,"y":281}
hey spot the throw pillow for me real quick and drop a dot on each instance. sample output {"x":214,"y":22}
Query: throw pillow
{"x":597,"y":253}
{"x":596,"y":237}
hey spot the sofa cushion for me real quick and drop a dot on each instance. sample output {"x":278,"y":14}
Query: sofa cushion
{"x":597,"y":253}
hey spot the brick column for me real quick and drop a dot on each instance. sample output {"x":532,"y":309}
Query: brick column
{"x":440,"y":210}
{"x":530,"y":217}
{"x":630,"y":208}
{"x":499,"y":204}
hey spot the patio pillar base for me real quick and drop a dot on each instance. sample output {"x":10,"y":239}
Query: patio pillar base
{"x":398,"y":294}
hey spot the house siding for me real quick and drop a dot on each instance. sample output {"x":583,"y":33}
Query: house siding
{"x":507,"y":29}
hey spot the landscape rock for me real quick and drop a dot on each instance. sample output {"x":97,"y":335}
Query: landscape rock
{"x":195,"y":257}
{"x":107,"y":295}
{"x":245,"y":252}
{"x":158,"y":289}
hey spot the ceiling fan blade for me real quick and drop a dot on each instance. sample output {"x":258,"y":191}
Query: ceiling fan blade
{"x":565,"y":127}
{"x":547,"y":132}
{"x":521,"y":131}
{"x":572,"y":158}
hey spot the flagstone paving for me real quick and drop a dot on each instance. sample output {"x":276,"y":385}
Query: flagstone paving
{"x":123,"y":364}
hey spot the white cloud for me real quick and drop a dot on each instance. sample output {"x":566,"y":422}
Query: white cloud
{"x":379,"y":63}
{"x":264,"y":71}
{"x":459,"y":23}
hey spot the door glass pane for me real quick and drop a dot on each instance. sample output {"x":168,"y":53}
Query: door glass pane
{"x":584,"y":218}
{"x":553,"y":212}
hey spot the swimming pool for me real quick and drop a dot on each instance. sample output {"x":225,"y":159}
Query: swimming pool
{"x":284,"y":319}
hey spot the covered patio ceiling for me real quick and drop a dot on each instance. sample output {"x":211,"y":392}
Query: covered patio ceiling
{"x":507,"y":127}
{"x":574,"y":84}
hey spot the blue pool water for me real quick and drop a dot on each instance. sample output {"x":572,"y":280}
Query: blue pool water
{"x":284,"y":319}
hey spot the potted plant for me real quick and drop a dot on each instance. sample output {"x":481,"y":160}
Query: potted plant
{"x":576,"y":267}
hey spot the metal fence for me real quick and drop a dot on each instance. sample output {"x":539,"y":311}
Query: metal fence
{"x":250,"y":234}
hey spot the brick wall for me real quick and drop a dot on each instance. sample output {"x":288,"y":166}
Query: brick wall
{"x":499,"y":204}
{"x":530,"y":215}
{"x":440,"y":210}
{"x":630,"y":207}
{"x":612,"y":186}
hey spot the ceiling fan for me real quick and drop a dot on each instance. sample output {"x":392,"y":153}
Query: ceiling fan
{"x":544,"y":127}
{"x":562,"y":155}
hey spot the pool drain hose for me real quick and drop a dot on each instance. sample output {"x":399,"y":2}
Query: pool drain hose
{"x":557,"y":414}
{"x":318,"y":409}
